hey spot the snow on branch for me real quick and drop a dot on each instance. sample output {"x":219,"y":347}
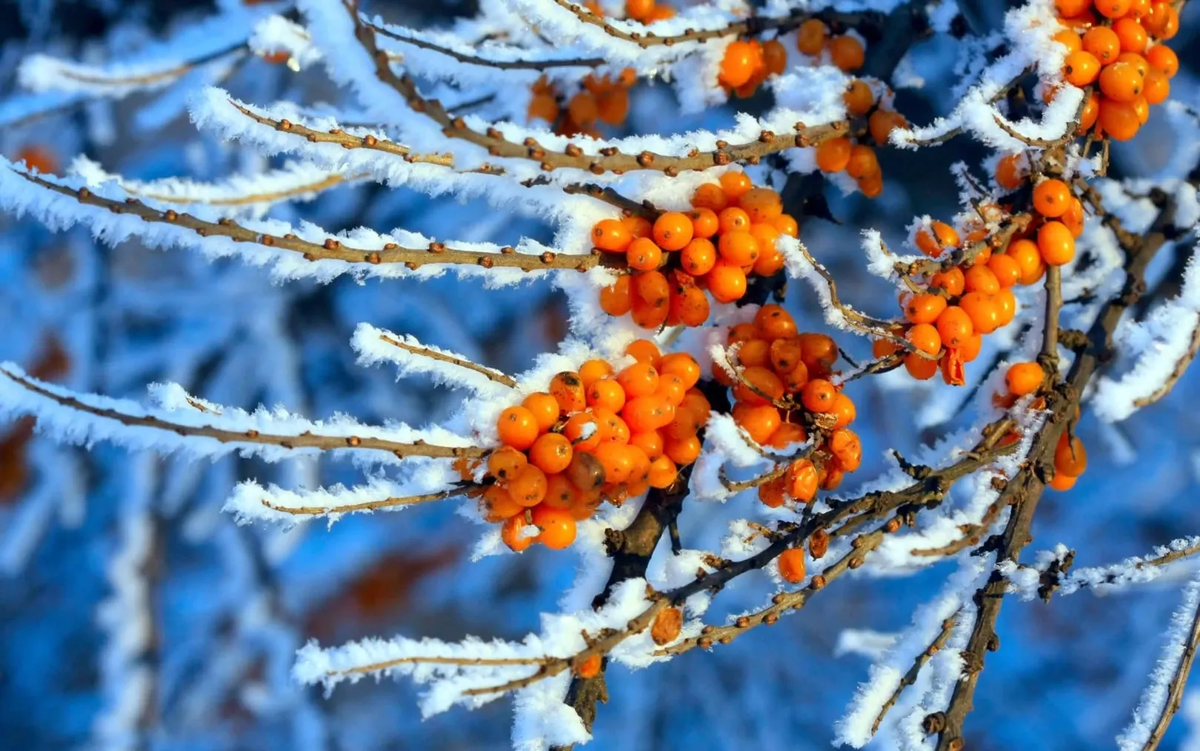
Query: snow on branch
{"x":411,"y":356}
{"x":1027,"y":581}
{"x":185,"y":424}
{"x":1161,"y":698}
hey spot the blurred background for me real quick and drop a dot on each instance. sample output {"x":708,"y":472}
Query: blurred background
{"x":134,"y":614}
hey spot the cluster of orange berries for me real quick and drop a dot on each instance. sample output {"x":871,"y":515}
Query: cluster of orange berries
{"x":1116,"y":46}
{"x":601,"y":99}
{"x":782,"y":393}
{"x":595,"y":436}
{"x":746,"y":64}
{"x":845,"y":51}
{"x":1070,"y":456}
{"x":847,"y":154}
{"x":730,"y":234}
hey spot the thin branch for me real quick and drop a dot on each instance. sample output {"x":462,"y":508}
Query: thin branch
{"x":329,"y":181}
{"x":489,"y":373}
{"x":145,"y":79}
{"x":914,"y":672}
{"x":1176,"y":373}
{"x":579,"y":62}
{"x":411,"y":500}
{"x":1175,"y":689}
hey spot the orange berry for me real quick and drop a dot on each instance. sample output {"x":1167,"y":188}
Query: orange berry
{"x":760,"y":421}
{"x":528,"y":485}
{"x":510,"y":533}
{"x":758,"y":385}
{"x":1119,"y":120}
{"x":612,"y":106}
{"x":583,"y":108}
{"x":743,"y":332}
{"x":647,"y":413}
{"x":1050,"y":197}
{"x":1156,"y":87}
{"x":1070,"y":457}
{"x":611,"y":235}
{"x":1157,"y":20}
{"x":846,"y":53}
{"x":1113,"y":8}
{"x":791,"y":565}
{"x":786,"y":225}
{"x":761,"y":204}
{"x":819,"y":352}
{"x":770,"y":258}
{"x":593,"y":370}
{"x":785,"y":355}
{"x":881,"y":348}
{"x":1138,"y":9}
{"x":684,"y":425}
{"x":704,"y":223}
{"x":651,"y":287}
{"x":557,"y":526}
{"x":937,"y":237}
{"x":844,"y":410}
{"x":833,"y":155}
{"x":1010,"y":173}
{"x":606,"y":393}
{"x":979,"y":278}
{"x":618,"y":463}
{"x":925,"y":337}
{"x":643,"y":255}
{"x":1081,"y":68}
{"x":733,"y":219}
{"x":1029,"y":258}
{"x":921,"y":368}
{"x":497,"y":505}
{"x":882,"y":122}
{"x":774,"y":57}
{"x":818,"y":395}
{"x":650,"y":315}
{"x":567,"y":389}
{"x":871,"y":185}
{"x":954,"y":327}
{"x":1056,"y":243}
{"x":739,"y":63}
{"x":639,"y":10}
{"x":698,"y":257}
{"x":1073,"y":217}
{"x":863,"y":162}
{"x":551,"y":453}
{"x":772,"y":494}
{"x":1006,"y":306}
{"x":710,"y":196}
{"x":638,"y":226}
{"x":542,"y":107}
{"x":737,"y":247}
{"x":1163,"y":58}
{"x":773,"y":322}
{"x":644,"y":350}
{"x":638,"y":380}
{"x":846,"y":447}
{"x":505,"y":462}
{"x":684,"y":451}
{"x":1070,"y":8}
{"x":951,"y":281}
{"x":1137,"y":61}
{"x":982,"y":309}
{"x":617,"y":298}
{"x":517,"y":427}
{"x":858,"y":98}
{"x":1006,"y":270}
{"x":727,"y":282}
{"x":544,"y":408}
{"x":810,"y":37}
{"x":672,"y":230}
{"x":690,"y":307}
{"x":1024,"y":378}
{"x":695,"y":402}
{"x":970,"y":350}
{"x":577,"y":426}
{"x":663,"y":472}
{"x":953,"y":372}
{"x":1069,"y":39}
{"x":802,"y":480}
{"x":1132,"y":35}
{"x":1091,"y":111}
{"x":734,"y":184}
{"x":1103,"y":43}
{"x":1121,"y":82}
{"x":649,"y":441}
{"x":560,"y":492}
{"x":683,"y":365}
{"x":1061,"y":482}
{"x":924,"y":308}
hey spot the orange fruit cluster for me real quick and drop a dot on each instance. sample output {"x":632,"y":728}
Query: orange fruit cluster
{"x":594,"y":436}
{"x":1070,"y":456}
{"x":847,"y":154}
{"x":845,"y":51}
{"x":747,"y":64}
{"x":602,"y":99}
{"x":783,"y":394}
{"x":729,"y":236}
{"x":1115,"y":46}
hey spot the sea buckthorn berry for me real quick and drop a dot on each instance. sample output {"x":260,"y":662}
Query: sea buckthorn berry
{"x":760,"y":421}
{"x":672,"y":230}
{"x":921,"y":368}
{"x":774,"y":57}
{"x":1103,"y":43}
{"x":1158,"y":20}
{"x":743,"y":332}
{"x":606,"y":393}
{"x":684,"y":451}
{"x":517,"y":427}
{"x":1091,"y":111}
{"x":617,"y":298}
{"x":611,"y":236}
{"x":557,"y":526}
{"x":754,"y":353}
{"x":551,"y":453}
{"x":818,"y":395}
{"x":639,"y":10}
{"x":882,"y":122}
{"x":649,"y":441}
{"x":938,"y":236}
{"x":1138,"y":9}
{"x":770,"y":258}
{"x":758,"y":385}
{"x":1163,"y":58}
{"x":733,"y":219}
{"x":1029,"y":258}
{"x":772,"y":494}
{"x":881,"y":348}
{"x":846,"y":53}
{"x":979,"y":278}
{"x":1132,"y":35}
{"x":833,"y":155}
{"x":1006,"y":270}
{"x":924,"y":308}
{"x":545,"y":409}
{"x":802,"y":480}
{"x":1070,"y":8}
{"x":794,"y":379}
{"x":643,"y":255}
{"x":1121,"y":82}
{"x":511,"y":534}
{"x":846,"y":447}
{"x":925,"y":338}
{"x":663,"y":472}
{"x":497,"y":505}
{"x":644,"y":350}
{"x":844,"y":410}
{"x":1069,"y":39}
{"x":727,"y":282}
{"x":651,"y":287}
{"x":1070,"y":457}
{"x":690,"y":307}
{"x":738,"y":64}
{"x":1113,"y":8}
{"x":791,"y":565}
{"x":1056,"y":243}
{"x":680,"y":364}
{"x":953,"y":372}
{"x":528,"y":486}
{"x":583,"y":108}
{"x":639,"y":379}
{"x":871,"y":185}
{"x":773,"y":322}
{"x":982,"y":309}
{"x":1061,"y":482}
{"x":543,"y":107}
{"x":1010,"y":172}
{"x":1024,"y":378}
{"x":951,"y":281}
{"x":858,"y":98}
{"x":698,"y":257}
{"x":684,"y":425}
{"x":695,"y":402}
{"x":1081,"y":68}
{"x":737,"y":247}
{"x":810,"y":37}
{"x":734,"y":184}
{"x":617,"y":462}
{"x":1006,"y":306}
{"x":710,"y":196}
{"x":505,"y":462}
{"x":638,"y":226}
{"x":567,"y":390}
{"x":818,"y":351}
{"x":1156,"y":87}
{"x":762,"y":204}
{"x":1137,"y":61}
{"x":612,"y":106}
{"x":581,"y":425}
{"x":954,"y":327}
{"x":863,"y":162}
{"x":593,"y":370}
{"x":671,"y":388}
{"x":789,"y":434}
{"x":1050,"y":197}
{"x":1119,"y":120}
{"x":560,"y":492}
{"x":971,"y":349}
{"x":786,"y":225}
{"x":786,"y":354}
{"x":704,"y":223}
